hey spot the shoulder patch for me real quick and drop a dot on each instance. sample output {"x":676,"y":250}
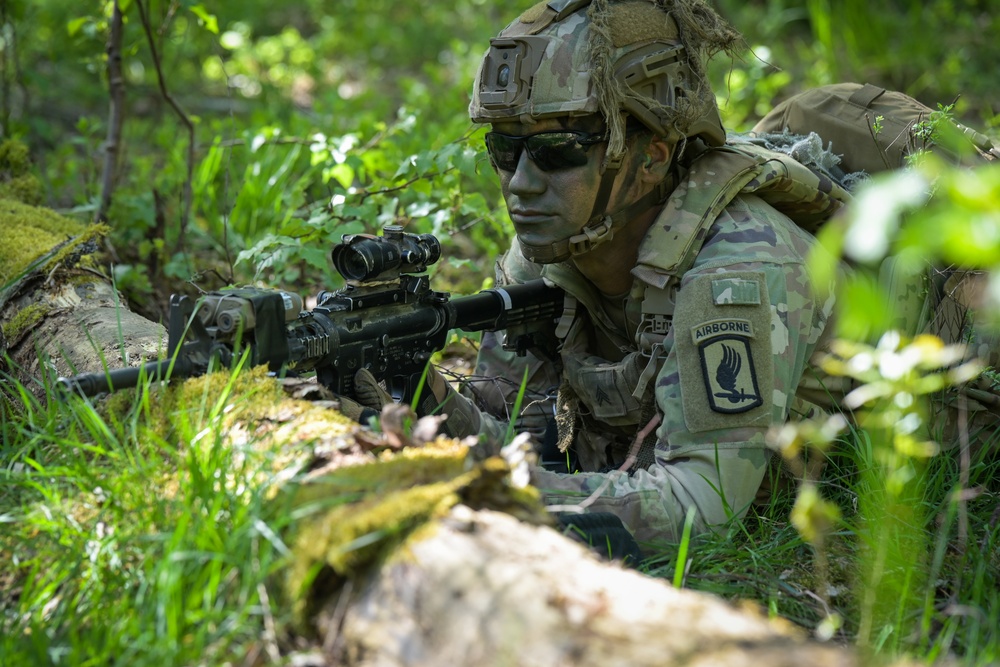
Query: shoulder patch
{"x":723,"y":347}
{"x":712,"y":328}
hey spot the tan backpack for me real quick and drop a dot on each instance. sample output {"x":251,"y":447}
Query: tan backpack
{"x":873,"y":129}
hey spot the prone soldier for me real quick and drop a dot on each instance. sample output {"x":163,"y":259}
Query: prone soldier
{"x":690,"y":325}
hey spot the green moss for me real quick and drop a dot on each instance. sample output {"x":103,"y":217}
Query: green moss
{"x":84,"y":244}
{"x":26,"y":189}
{"x":408,"y":468}
{"x":350,"y":538}
{"x":16,"y":181}
{"x":374,"y":510}
{"x":25,"y":319}
{"x":185,"y":405}
{"x":490,"y":489}
{"x":116,"y":407}
{"x":29,"y":233}
{"x":32,"y":236}
{"x":14,"y":158}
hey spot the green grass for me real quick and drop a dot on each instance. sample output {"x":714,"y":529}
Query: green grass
{"x":132,"y":550}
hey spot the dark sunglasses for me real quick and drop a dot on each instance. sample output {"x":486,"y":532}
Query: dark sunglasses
{"x":551,"y":151}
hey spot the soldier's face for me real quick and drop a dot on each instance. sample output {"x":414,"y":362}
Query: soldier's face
{"x":549,"y":204}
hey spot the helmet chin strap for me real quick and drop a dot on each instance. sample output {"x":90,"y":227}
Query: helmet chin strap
{"x":601,"y":227}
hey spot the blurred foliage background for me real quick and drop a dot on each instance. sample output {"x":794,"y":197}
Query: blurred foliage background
{"x":317,"y":118}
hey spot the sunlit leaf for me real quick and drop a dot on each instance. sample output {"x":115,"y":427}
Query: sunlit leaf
{"x":812,"y":515}
{"x":876,"y":214}
{"x":342,"y":173}
{"x":210,"y":21}
{"x":76,"y":25}
{"x":863,"y":308}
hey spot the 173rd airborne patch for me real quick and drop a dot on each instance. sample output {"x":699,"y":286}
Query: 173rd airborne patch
{"x":723,"y":336}
{"x":727,"y":365}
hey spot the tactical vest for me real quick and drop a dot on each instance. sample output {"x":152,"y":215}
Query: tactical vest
{"x":616,"y":398}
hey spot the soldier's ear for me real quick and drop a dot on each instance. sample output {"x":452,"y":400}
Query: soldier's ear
{"x":656,"y":160}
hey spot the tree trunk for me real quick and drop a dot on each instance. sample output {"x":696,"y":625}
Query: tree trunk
{"x":116,"y":112}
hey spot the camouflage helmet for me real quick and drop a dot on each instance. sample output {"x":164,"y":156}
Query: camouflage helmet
{"x":641,"y":57}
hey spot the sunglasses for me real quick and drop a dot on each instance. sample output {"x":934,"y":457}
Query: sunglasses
{"x":550,"y":151}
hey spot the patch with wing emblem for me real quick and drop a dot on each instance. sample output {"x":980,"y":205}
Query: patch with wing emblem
{"x":725,"y":359}
{"x":730,"y":376}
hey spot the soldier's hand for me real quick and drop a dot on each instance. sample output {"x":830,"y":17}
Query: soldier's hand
{"x":368,"y":392}
{"x":368,"y":400}
{"x":440,"y":398}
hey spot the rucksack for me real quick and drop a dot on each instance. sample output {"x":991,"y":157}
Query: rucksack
{"x":873,"y":129}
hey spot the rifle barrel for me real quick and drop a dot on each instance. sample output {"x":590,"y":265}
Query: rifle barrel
{"x":322,"y":341}
{"x":92,"y":384}
{"x":507,"y":306}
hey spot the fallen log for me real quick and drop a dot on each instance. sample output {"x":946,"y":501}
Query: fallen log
{"x":486,"y":589}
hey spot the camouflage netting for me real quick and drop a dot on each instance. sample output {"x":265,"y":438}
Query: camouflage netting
{"x":616,"y":24}
{"x":808,"y":150}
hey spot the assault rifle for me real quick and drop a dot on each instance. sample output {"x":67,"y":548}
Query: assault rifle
{"x":387,"y":319}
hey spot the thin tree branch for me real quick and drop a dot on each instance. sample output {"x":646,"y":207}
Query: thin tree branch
{"x":180,"y":114}
{"x":10,"y":71}
{"x":4,"y":79}
{"x":365,"y":194}
{"x":116,"y":87}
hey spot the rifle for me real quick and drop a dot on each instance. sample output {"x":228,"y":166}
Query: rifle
{"x":386,"y":319}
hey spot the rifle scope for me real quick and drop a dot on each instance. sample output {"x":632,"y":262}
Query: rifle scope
{"x":363,"y":257}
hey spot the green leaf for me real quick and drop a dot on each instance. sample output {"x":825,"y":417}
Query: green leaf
{"x":424,"y":162}
{"x":446,"y":156}
{"x":210,"y":22}
{"x":76,"y":25}
{"x":420,"y":209}
{"x":343,"y":173}
{"x":316,"y":256}
{"x":405,"y":166}
{"x":468,"y":161}
{"x":865,"y":308}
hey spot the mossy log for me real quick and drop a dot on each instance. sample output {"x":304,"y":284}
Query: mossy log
{"x":486,"y":589}
{"x":446,"y":562}
{"x":59,"y":315}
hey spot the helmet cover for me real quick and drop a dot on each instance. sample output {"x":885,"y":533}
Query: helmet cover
{"x":580,"y":57}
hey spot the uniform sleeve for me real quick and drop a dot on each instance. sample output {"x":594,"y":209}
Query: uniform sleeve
{"x":745,"y":326}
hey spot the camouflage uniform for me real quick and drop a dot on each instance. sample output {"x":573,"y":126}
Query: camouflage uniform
{"x":735,"y":360}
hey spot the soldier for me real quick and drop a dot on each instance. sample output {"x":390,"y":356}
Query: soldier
{"x":690,"y":324}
